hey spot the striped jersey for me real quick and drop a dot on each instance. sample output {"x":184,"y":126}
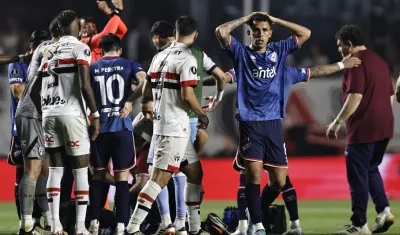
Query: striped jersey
{"x":171,"y":69}
{"x":26,"y":107}
{"x":61,"y":87}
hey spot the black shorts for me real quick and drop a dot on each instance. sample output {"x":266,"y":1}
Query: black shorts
{"x":15,"y":155}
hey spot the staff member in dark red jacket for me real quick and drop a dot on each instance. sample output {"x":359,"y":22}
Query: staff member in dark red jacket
{"x":367,"y":96}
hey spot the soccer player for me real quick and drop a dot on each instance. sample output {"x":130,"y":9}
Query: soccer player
{"x":29,"y":128}
{"x":367,"y":96}
{"x":65,"y":92}
{"x":115,"y":25}
{"x":173,"y":74}
{"x":260,"y":76}
{"x":111,"y":79}
{"x":17,"y":74}
{"x":162,"y":34}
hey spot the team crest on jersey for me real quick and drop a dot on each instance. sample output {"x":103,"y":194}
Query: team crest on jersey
{"x":193,"y":69}
{"x":303,"y":71}
{"x":253,"y":58}
{"x":87,"y":52}
{"x":273,"y":57}
{"x":14,"y":72}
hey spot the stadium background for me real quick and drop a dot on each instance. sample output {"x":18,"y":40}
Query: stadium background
{"x":316,"y":165}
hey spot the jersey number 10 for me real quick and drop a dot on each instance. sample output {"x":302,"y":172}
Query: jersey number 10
{"x":106,"y":88}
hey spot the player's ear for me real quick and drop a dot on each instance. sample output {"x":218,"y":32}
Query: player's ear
{"x":196,"y":35}
{"x":248,"y":33}
{"x":120,"y":51}
{"x":349,"y":44}
{"x":270,"y":33}
{"x":174,"y":33}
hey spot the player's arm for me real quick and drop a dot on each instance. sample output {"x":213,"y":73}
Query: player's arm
{"x":355,"y":94}
{"x":111,"y":27}
{"x":16,"y":80}
{"x":229,"y":77}
{"x":147,"y":99}
{"x":325,"y":70}
{"x":7,"y":59}
{"x":223,"y":32}
{"x":302,"y":33}
{"x":35,"y":91}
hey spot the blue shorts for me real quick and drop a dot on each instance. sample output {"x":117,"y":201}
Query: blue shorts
{"x":118,"y":146}
{"x":262,"y":141}
{"x":193,"y":134}
{"x":15,"y":155}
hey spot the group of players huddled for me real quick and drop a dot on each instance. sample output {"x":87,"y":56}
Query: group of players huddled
{"x":71,"y":110}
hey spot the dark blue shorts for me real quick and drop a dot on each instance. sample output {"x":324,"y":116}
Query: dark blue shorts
{"x":118,"y":146}
{"x":15,"y":156}
{"x":262,"y":141}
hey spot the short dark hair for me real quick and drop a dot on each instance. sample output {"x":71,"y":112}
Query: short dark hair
{"x":163,"y":29}
{"x":350,"y":33}
{"x":88,"y":19}
{"x":258,"y":17}
{"x":186,"y":25}
{"x":53,"y":28}
{"x":65,"y":19}
{"x":110,"y":42}
{"x":38,"y":36}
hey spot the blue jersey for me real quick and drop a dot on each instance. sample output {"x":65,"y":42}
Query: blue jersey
{"x":291,"y":77}
{"x":260,"y":79}
{"x":17,"y":73}
{"x":111,"y":79}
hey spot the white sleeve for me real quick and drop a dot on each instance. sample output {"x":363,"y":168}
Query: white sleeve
{"x":35,"y":62}
{"x":188,"y":72}
{"x":208,"y":64}
{"x":81,"y":54}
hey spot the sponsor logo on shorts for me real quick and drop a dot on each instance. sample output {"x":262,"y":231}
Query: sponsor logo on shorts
{"x":23,"y":143}
{"x":48,"y":139}
{"x":177,"y":157}
{"x":73,"y":144}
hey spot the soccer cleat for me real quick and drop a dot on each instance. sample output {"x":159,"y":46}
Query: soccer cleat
{"x":260,"y":232}
{"x":294,"y":228}
{"x":94,"y":227}
{"x":383,"y":221}
{"x":169,"y":230}
{"x":85,"y":232}
{"x":240,"y":232}
{"x":181,"y":231}
{"x":353,"y":230}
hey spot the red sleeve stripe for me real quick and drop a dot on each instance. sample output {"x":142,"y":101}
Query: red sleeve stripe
{"x":84,"y":62}
{"x":66,"y":61}
{"x":295,"y":39}
{"x":189,"y":83}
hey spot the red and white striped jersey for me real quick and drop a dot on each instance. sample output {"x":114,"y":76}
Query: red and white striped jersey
{"x":61,"y":87}
{"x":171,"y":69}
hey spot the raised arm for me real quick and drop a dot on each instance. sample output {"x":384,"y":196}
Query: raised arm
{"x":302,"y":33}
{"x":223,"y":31}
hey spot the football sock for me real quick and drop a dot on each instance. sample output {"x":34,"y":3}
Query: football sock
{"x":241,"y":198}
{"x":163,"y":205}
{"x":154,"y":215}
{"x":19,"y":172}
{"x":145,"y":200}
{"x":254,"y":203}
{"x":192,"y":199}
{"x":121,"y":200}
{"x":53,"y":196}
{"x":37,"y":212}
{"x":290,"y":198}
{"x":105,"y":187}
{"x":27,"y":190}
{"x":95,"y":196}
{"x":41,"y":198}
{"x":268,"y":196}
{"x":180,"y":182}
{"x":81,"y":192}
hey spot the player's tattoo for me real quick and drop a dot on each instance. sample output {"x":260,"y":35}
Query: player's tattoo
{"x":223,"y":31}
{"x":324,"y":70}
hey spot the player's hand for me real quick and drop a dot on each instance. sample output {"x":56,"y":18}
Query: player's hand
{"x":94,"y":128}
{"x":104,"y":7}
{"x":210,"y":106}
{"x":351,"y":62}
{"x":203,"y":121}
{"x":126,"y":111}
{"x":118,"y":4}
{"x":332,"y":131}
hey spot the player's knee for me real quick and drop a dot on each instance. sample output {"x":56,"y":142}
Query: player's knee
{"x":194,"y":173}
{"x":32,"y":168}
{"x":121,"y":175}
{"x":81,"y":161}
{"x":161,"y":177}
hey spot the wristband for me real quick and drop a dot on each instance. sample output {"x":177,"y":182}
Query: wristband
{"x":219,"y":95}
{"x":96,"y":114}
{"x":341,"y":65}
{"x":21,"y":58}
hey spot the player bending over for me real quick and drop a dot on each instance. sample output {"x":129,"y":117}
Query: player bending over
{"x":260,"y":74}
{"x":115,"y":25}
{"x":111,"y":79}
{"x":162,"y":35}
{"x":65,"y":91}
{"x":29,"y":127}
{"x":173,"y":100}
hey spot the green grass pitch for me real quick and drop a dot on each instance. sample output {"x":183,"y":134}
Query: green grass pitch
{"x":317,"y":217}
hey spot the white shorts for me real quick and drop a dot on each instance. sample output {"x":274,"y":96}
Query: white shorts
{"x":70,"y":132}
{"x":171,"y":151}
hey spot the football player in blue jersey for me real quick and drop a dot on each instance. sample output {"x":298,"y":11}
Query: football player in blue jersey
{"x":17,"y":74}
{"x":112,"y":77}
{"x":260,"y":76}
